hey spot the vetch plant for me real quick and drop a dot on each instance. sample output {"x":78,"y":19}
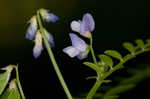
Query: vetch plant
{"x":103,"y":64}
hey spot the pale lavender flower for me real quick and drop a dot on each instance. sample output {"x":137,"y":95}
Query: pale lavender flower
{"x":78,"y":47}
{"x":32,"y":29}
{"x":84,"y":26}
{"x":38,"y":47}
{"x":34,"y":34}
{"x":48,"y":17}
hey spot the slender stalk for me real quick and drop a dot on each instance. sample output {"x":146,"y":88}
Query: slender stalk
{"x":18,"y":83}
{"x":118,"y":66}
{"x":60,"y":77}
{"x":92,"y":51}
{"x":94,"y":89}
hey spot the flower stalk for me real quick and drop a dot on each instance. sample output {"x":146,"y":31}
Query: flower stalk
{"x":92,"y":51}
{"x":18,"y":82}
{"x":48,"y":47}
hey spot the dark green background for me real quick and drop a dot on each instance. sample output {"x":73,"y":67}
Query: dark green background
{"x":116,"y":22}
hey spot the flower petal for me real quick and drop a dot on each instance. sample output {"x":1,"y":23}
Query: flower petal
{"x":87,"y":23}
{"x":75,"y":26}
{"x":84,"y":54}
{"x":48,"y":17}
{"x":71,"y":51}
{"x":51,"y":18}
{"x":37,"y":50}
{"x":31,"y":31}
{"x":50,"y":38}
{"x":38,"y":45}
{"x":77,"y":42}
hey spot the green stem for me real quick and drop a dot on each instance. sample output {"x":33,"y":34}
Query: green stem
{"x":94,"y":89}
{"x":92,"y":51}
{"x":118,"y":66}
{"x":60,"y":77}
{"x":18,"y":82}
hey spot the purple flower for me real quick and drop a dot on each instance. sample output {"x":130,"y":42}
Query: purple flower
{"x":34,"y":34}
{"x":84,"y":27}
{"x":38,"y":47}
{"x":31,"y":31}
{"x":48,"y":17}
{"x":78,"y":48}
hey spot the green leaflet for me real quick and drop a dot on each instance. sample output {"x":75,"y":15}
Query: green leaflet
{"x":107,"y":81}
{"x":114,"y":54}
{"x":129,"y":46}
{"x":106,"y":60}
{"x":140,"y":43}
{"x":4,"y":78}
{"x":93,"y":66}
{"x":91,"y":77}
{"x":12,"y":92}
{"x":148,"y":41}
